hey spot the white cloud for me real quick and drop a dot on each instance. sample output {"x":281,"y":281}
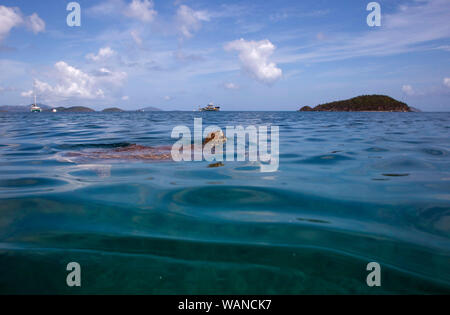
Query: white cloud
{"x":168,"y":98}
{"x":27,"y":93}
{"x":408,"y":90}
{"x":74,"y":83}
{"x":447,"y":82}
{"x":125,"y":98}
{"x":11,"y":17}
{"x":102,"y":54}
{"x":297,"y":14}
{"x":443,"y":47}
{"x":430,"y":91}
{"x":35,"y":23}
{"x":107,"y":7}
{"x":105,"y":75}
{"x":136,"y":37}
{"x":254,"y":57}
{"x":141,"y":10}
{"x":189,"y":20}
{"x":230,"y":86}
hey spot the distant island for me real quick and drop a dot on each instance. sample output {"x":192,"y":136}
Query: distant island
{"x":73,"y":109}
{"x":22,"y":108}
{"x":364,"y":103}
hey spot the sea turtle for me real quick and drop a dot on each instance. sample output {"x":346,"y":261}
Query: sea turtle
{"x":136,"y":152}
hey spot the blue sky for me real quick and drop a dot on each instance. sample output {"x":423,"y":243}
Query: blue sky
{"x":243,"y":55}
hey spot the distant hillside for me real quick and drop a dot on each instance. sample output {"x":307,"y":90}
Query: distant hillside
{"x":75,"y":109}
{"x":365,"y":103}
{"x":150,"y":109}
{"x":22,"y":108}
{"x":112,"y":110}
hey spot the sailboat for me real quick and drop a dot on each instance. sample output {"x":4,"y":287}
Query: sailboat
{"x":35,"y":108}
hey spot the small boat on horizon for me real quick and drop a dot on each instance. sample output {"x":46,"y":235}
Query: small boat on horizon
{"x":210,"y":108}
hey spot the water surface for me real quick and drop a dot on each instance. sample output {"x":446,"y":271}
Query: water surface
{"x":352,"y":188}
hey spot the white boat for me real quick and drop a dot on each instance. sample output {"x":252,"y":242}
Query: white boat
{"x":35,"y":108}
{"x":210,"y":108}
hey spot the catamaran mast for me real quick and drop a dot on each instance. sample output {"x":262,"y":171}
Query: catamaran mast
{"x":34,"y":92}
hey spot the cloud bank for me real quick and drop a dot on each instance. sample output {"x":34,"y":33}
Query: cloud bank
{"x":74,"y":83}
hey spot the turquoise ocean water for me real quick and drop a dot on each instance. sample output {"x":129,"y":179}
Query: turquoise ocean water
{"x":352,"y":188}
